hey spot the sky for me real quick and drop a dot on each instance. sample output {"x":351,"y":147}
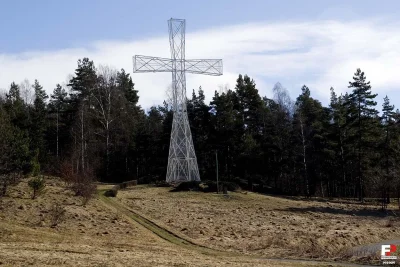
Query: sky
{"x":316,"y":43}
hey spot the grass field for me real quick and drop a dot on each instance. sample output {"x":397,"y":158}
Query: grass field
{"x":242,"y":229}
{"x":255,"y":224}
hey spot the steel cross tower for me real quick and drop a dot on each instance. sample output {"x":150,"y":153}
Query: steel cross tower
{"x":182,"y":161}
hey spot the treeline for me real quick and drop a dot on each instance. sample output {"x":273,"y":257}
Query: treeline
{"x":94,"y":126}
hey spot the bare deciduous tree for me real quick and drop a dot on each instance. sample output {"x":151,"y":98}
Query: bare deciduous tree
{"x":223,"y":88}
{"x":27,"y":93}
{"x":105,"y":95}
{"x":281,"y":97}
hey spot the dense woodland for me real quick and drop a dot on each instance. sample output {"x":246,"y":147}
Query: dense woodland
{"x":94,"y":126}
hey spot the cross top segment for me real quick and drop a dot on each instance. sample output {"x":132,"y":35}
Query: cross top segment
{"x":182,"y":161}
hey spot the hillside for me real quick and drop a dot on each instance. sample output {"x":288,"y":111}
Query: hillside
{"x":98,"y":234}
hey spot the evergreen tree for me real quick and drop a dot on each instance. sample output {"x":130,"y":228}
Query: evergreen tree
{"x":84,"y":80}
{"x":200,"y":124}
{"x":16,"y":108}
{"x":339,"y":145}
{"x":130,"y":118}
{"x":39,"y":123}
{"x":226,"y":131}
{"x":364,"y":121}
{"x":390,"y":148}
{"x":82,"y":86}
{"x":249,"y":104}
{"x":58,"y":134}
{"x":308,"y":121}
{"x":14,"y":156}
{"x":126,"y":85}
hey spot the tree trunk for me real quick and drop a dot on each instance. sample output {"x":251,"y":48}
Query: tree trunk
{"x":303,"y":139}
{"x":57,"y":135}
{"x":360,"y":174}
{"x":82,"y":143}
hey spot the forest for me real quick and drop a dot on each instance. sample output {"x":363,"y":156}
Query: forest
{"x":94,"y":127}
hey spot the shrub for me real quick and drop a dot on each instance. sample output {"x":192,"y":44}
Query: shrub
{"x":57,"y":214}
{"x":127,"y":184}
{"x":188,"y":186}
{"x":37,"y":184}
{"x":84,"y":188}
{"x":112,"y":192}
{"x":67,"y":172}
{"x":7,"y":180}
{"x":80,"y":183}
{"x":35,"y":164}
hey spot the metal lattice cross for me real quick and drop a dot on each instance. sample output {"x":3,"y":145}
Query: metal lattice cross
{"x":182,"y":161}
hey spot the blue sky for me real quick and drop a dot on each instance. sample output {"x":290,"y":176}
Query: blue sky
{"x":36,"y":33}
{"x":47,"y":24}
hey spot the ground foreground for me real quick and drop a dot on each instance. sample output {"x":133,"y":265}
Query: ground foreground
{"x":103,"y":234}
{"x":270,"y":226}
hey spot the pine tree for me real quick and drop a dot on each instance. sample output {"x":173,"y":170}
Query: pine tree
{"x":200,"y":124}
{"x":131,"y":116}
{"x":14,"y":156}
{"x":126,"y":85}
{"x":226,"y":132}
{"x":58,"y":107}
{"x":39,"y":124}
{"x":389,"y":147}
{"x":82,"y":86}
{"x":16,"y":108}
{"x":338,"y":133}
{"x":249,"y":104}
{"x":363,"y":119}
{"x":308,"y":121}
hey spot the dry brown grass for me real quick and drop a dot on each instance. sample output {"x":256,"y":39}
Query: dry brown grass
{"x":263,"y":225}
{"x":91,"y":235}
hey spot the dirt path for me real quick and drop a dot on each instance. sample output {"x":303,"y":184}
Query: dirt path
{"x":186,"y":243}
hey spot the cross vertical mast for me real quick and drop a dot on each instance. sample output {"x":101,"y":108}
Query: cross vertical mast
{"x":182,"y":161}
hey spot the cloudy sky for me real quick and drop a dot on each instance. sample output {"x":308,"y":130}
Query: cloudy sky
{"x":317,"y":43}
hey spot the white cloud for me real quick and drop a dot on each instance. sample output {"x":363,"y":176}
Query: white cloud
{"x":320,"y":54}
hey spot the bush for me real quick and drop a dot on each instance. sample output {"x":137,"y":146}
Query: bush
{"x":84,"y":188}
{"x":57,"y":214}
{"x":37,"y":184}
{"x":67,"y":173}
{"x":35,"y":164}
{"x":80,"y":183}
{"x":127,"y":184}
{"x":112,"y":192}
{"x":7,"y":180}
{"x":188,"y":186}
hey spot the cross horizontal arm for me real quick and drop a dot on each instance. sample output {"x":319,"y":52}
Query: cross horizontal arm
{"x":151,"y":64}
{"x":211,"y":67}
